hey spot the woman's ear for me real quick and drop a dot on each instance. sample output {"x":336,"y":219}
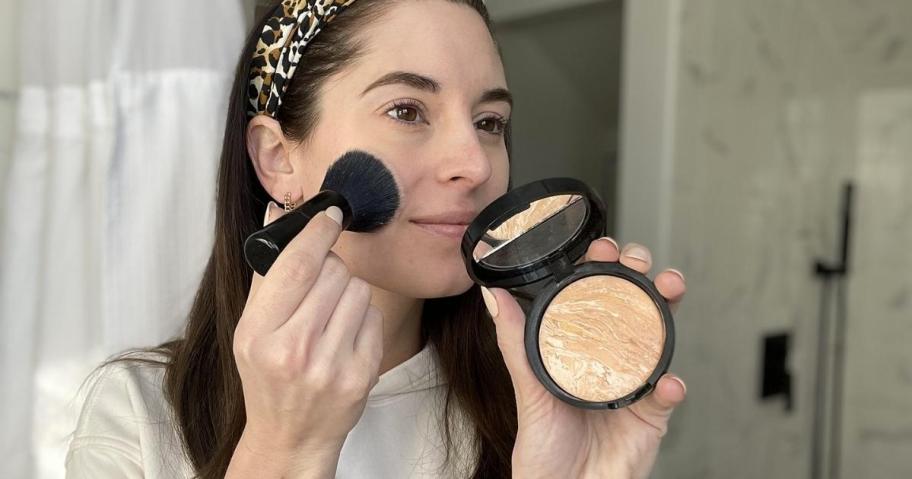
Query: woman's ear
{"x":269,"y":151}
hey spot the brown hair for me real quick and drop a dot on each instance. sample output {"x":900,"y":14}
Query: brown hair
{"x":201,"y":379}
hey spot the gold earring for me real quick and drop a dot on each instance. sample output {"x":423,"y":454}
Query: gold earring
{"x":289,"y":205}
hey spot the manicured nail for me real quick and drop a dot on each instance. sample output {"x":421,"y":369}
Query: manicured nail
{"x":335,"y":213}
{"x":268,"y":215}
{"x":680,"y":274}
{"x":679,"y":381}
{"x":612,"y":241}
{"x":636,"y":251}
{"x":490,"y":301}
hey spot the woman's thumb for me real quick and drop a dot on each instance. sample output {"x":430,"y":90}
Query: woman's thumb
{"x":510,"y":321}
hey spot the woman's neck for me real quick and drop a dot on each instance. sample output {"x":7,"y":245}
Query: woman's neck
{"x":401,"y":327}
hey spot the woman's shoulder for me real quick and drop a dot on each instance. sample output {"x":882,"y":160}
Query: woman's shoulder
{"x":131,"y":384}
{"x":125,"y":427}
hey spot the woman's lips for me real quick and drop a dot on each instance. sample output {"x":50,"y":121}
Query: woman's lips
{"x":448,"y":230}
{"x":450,"y":224}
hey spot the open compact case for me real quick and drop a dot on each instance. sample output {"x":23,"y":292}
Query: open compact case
{"x":598,"y":335}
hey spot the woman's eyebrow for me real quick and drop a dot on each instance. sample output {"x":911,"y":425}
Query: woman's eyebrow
{"x":422,"y":82}
{"x":497,"y":94}
{"x":414,"y":80}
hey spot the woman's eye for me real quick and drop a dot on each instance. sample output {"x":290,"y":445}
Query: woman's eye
{"x":493,"y":125}
{"x":408,"y":114}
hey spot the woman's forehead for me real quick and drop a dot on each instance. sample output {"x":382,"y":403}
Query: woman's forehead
{"x":440,"y":39}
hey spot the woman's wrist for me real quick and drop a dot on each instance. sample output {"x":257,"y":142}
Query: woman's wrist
{"x":257,"y":456}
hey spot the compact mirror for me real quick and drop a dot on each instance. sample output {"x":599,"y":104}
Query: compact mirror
{"x":531,"y":234}
{"x":598,"y":334}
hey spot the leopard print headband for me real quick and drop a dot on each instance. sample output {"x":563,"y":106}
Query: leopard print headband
{"x":279,"y":49}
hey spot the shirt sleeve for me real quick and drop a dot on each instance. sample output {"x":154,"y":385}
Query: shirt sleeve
{"x":107,"y":440}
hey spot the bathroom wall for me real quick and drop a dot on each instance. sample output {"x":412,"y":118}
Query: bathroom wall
{"x":770,"y":106}
{"x":878,"y":401}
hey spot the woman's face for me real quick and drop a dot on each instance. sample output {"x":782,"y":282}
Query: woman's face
{"x":428,"y":98}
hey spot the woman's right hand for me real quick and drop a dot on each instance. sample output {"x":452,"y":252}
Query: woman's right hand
{"x":308,"y":347}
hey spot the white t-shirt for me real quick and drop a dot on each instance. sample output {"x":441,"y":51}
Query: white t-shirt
{"x":125,"y":428}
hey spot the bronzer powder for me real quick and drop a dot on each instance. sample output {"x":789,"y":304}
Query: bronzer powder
{"x":598,"y":335}
{"x":538,"y":211}
{"x":601,"y":338}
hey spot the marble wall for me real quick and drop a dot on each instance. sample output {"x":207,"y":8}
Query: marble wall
{"x":777,"y":103}
{"x":878,"y":401}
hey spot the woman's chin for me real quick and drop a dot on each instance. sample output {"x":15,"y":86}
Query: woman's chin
{"x":447,"y":282}
{"x":454,"y":291}
{"x":424,"y":283}
{"x":441,"y":287}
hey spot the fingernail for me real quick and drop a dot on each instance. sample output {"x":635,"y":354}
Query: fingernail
{"x":490,"y":301}
{"x":636,"y":251}
{"x":612,"y":241}
{"x":680,"y":274}
{"x":335,"y":213}
{"x":267,"y":216}
{"x":679,"y":381}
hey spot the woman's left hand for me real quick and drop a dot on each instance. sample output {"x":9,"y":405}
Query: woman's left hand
{"x":556,"y":439}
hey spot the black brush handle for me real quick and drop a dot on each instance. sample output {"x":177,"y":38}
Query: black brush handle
{"x":263,"y":247}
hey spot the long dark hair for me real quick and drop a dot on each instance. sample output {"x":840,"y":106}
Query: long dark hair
{"x":201,"y":379}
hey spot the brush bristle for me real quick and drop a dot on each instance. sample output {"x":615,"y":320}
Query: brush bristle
{"x":368,"y":186}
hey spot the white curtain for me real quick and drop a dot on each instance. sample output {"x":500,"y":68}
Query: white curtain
{"x":109,"y":197}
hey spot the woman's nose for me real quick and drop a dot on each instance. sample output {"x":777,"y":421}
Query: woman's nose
{"x":463,"y":157}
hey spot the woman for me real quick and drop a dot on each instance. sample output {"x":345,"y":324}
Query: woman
{"x":361,"y":355}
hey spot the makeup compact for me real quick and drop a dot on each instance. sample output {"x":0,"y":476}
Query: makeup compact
{"x":598,"y":335}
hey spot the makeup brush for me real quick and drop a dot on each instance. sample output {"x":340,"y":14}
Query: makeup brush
{"x":358,"y":183}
